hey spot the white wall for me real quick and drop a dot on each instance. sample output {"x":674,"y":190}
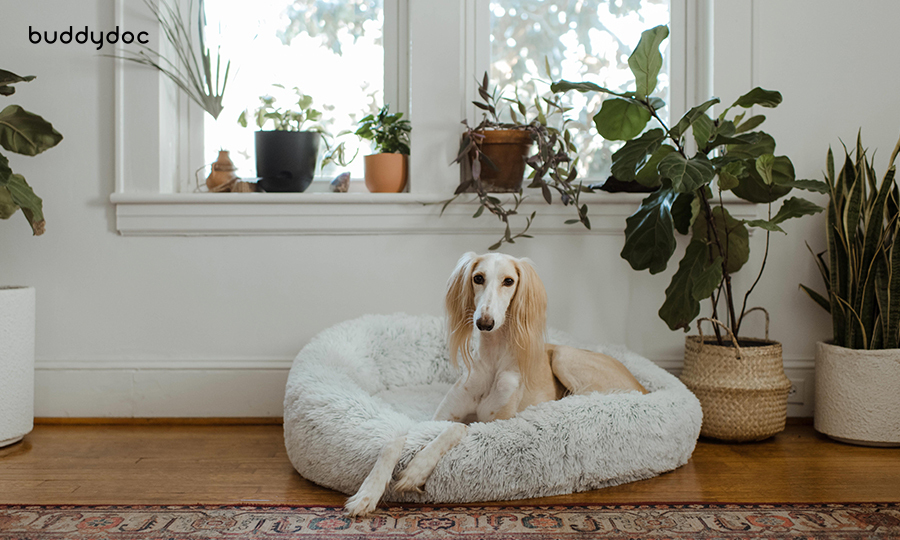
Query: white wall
{"x":207,"y":326}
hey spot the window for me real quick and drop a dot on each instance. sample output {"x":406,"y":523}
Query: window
{"x":580,"y":40}
{"x":329,"y":50}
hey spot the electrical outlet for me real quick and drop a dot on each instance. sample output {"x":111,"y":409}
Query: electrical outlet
{"x":797,"y":395}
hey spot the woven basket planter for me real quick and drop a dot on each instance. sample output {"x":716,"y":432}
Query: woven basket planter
{"x":741,"y":386}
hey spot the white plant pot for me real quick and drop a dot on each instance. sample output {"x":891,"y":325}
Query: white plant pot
{"x":858,"y":395}
{"x":16,"y":363}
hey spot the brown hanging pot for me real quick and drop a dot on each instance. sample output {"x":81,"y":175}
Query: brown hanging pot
{"x":741,"y":386}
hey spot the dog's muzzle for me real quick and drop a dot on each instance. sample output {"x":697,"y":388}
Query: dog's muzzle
{"x":485,"y":324}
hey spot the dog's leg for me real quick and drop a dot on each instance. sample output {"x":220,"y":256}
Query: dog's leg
{"x":419,"y":469}
{"x":373,"y":486}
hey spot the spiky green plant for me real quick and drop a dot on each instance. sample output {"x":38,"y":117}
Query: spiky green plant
{"x":862,"y":275}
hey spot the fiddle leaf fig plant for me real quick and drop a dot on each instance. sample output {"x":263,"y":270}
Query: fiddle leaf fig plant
{"x":28,"y":134}
{"x":681,"y":163}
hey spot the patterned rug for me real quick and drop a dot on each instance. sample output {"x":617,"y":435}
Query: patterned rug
{"x":694,"y":521}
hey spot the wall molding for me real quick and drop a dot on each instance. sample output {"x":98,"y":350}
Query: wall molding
{"x":323,"y":214}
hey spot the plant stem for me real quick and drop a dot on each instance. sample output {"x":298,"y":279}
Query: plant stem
{"x":758,"y":276}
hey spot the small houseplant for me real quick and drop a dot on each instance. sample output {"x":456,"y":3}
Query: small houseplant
{"x":387,"y":169}
{"x":494,"y":156}
{"x":858,"y":373}
{"x":25,"y":133}
{"x":685,"y":200}
{"x":286,"y":155}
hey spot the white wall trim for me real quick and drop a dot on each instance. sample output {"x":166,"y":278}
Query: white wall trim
{"x":323,"y":214}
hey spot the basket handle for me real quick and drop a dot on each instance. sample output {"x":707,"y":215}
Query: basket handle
{"x":733,"y":339}
{"x":758,"y":308}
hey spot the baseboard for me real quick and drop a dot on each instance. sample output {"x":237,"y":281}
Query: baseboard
{"x":246,"y":389}
{"x":160,"y":421}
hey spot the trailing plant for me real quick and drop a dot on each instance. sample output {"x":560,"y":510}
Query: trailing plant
{"x":685,"y":199}
{"x":293,"y":118}
{"x":862,"y":273}
{"x":552,"y":167}
{"x":192,"y":75}
{"x":28,"y":134}
{"x":389,"y":132}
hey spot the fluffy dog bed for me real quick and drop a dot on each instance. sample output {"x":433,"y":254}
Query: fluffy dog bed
{"x":359,"y":384}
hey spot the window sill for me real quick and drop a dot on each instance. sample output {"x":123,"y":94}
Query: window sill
{"x":320,"y":214}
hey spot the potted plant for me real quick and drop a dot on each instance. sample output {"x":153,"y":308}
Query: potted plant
{"x":858,"y":372}
{"x":494,"y":155}
{"x":386,"y":171}
{"x":740,"y":382}
{"x":28,"y":134}
{"x":286,"y":155}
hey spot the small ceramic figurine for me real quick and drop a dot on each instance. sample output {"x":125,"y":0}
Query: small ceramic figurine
{"x":222,"y":174}
{"x":341,"y":183}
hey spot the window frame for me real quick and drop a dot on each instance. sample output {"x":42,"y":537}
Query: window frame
{"x":151,"y":114}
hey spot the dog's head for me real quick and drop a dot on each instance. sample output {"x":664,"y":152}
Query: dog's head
{"x":495,"y":292}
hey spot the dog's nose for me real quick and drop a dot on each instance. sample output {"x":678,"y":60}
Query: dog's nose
{"x":485,"y":324}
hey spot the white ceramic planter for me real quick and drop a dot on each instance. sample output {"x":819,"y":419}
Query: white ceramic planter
{"x":16,"y":363}
{"x":858,"y":395}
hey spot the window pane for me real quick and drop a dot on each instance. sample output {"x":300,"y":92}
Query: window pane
{"x":331,"y":50}
{"x":582,"y":40}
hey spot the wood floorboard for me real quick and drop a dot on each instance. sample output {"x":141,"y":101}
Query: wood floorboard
{"x":154,"y":463}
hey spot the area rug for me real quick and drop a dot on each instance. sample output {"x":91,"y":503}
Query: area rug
{"x":694,"y":521}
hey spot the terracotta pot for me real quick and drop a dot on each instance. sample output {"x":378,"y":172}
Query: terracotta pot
{"x":222,"y":173}
{"x":386,"y":173}
{"x":507,"y":149}
{"x":858,"y":395}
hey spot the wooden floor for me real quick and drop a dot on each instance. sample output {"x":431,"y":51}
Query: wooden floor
{"x":228,"y":464}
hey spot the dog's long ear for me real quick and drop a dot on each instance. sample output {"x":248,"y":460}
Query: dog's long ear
{"x":460,"y":304}
{"x":528,"y":317}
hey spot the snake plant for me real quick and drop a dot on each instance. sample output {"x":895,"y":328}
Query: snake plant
{"x":862,"y":274}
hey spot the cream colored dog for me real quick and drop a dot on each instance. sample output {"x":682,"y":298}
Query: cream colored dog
{"x":504,"y":300}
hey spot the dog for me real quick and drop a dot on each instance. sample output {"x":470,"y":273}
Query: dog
{"x":504,"y":300}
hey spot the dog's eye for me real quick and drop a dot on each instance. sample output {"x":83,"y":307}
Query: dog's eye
{"x":508,"y":282}
{"x":478,"y":279}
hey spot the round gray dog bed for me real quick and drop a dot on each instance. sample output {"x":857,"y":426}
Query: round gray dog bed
{"x":358,"y":385}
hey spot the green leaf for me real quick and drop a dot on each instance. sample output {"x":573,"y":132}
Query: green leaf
{"x":796,"y":207}
{"x":752,"y":188}
{"x":764,"y":164}
{"x":565,"y":86}
{"x":751,"y":123}
{"x":703,"y":129}
{"x":649,"y":174}
{"x":759,"y":96}
{"x":31,"y":205}
{"x":729,"y":175}
{"x":682,"y":305}
{"x":5,"y":171}
{"x":7,"y":78}
{"x":621,"y":119}
{"x":683,"y":212}
{"x":633,"y":154}
{"x":649,"y":233}
{"x":764,"y":224}
{"x":707,"y":281}
{"x":7,"y":206}
{"x":809,"y":185}
{"x":646,"y":60}
{"x":731,"y":235}
{"x":817,"y":298}
{"x":26,"y":133}
{"x":690,"y":117}
{"x":687,"y":174}
{"x":764,"y":144}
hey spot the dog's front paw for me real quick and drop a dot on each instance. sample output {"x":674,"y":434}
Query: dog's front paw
{"x":360,"y":504}
{"x":412,"y":478}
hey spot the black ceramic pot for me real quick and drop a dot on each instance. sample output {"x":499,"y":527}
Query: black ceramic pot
{"x":286,"y":160}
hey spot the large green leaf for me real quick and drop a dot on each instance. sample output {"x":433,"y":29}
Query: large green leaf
{"x":26,"y":133}
{"x":729,"y":175}
{"x":817,"y":186}
{"x":633,"y":154}
{"x":684,"y":211}
{"x":8,"y":78}
{"x":649,"y":173}
{"x":690,"y":117}
{"x":687,"y":175}
{"x":621,"y":119}
{"x":8,"y":207}
{"x":764,"y":144}
{"x":5,"y":171}
{"x":703,"y":128}
{"x":759,"y":96}
{"x":696,"y":278}
{"x":775,"y":169}
{"x":565,"y":86}
{"x":649,"y":233}
{"x":751,"y":123}
{"x":731,"y":235}
{"x":791,"y":208}
{"x":752,"y":187}
{"x":31,"y":205}
{"x":646,"y":60}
